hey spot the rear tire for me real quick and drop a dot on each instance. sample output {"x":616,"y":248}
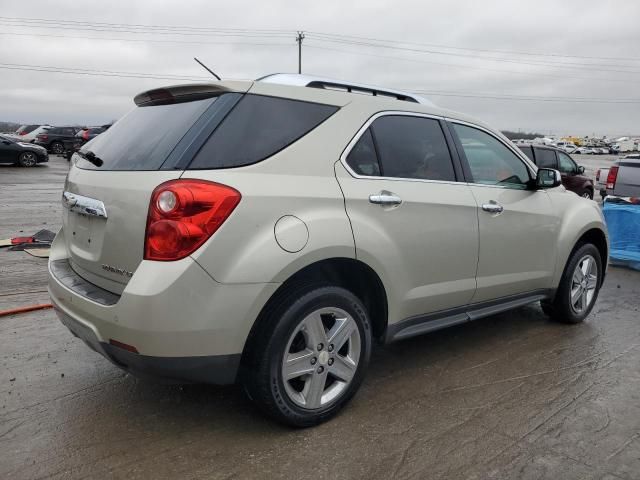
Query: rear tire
{"x":588,"y":194}
{"x":579,"y":286}
{"x":57,"y":148}
{"x":309,"y":355}
{"x":27,"y":159}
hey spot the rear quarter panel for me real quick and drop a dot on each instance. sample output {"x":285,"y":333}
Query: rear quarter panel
{"x":298,"y":181}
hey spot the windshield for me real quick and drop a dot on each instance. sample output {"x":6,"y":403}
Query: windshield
{"x":144,"y":137}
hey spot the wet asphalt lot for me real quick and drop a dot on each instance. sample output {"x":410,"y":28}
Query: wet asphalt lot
{"x":511,"y":396}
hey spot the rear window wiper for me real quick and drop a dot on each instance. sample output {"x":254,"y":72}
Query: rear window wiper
{"x":91,"y":157}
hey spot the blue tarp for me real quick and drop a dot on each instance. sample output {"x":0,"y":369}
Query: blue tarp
{"x":623,"y":222}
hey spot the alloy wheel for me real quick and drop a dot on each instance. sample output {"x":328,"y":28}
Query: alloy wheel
{"x":28,"y":159}
{"x":57,"y":148}
{"x":321,"y":358}
{"x":583,"y":284}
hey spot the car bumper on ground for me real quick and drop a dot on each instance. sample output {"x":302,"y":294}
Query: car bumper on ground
{"x":171,"y":322}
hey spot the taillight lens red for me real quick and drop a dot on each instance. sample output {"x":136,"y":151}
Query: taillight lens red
{"x":85,"y":135}
{"x":611,"y":178}
{"x":183,"y":214}
{"x":43,"y":137}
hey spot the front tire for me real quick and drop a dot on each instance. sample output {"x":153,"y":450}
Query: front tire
{"x":27,"y":159}
{"x":588,"y":194}
{"x":310,"y":356}
{"x":579,"y":286}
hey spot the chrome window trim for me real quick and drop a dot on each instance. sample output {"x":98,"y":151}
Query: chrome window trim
{"x":367,"y":124}
{"x":518,"y":153}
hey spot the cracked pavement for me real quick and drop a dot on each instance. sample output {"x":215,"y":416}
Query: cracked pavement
{"x":510,"y":396}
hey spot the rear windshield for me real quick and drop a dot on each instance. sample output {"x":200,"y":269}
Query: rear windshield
{"x":144,"y":137}
{"x":24,"y":129}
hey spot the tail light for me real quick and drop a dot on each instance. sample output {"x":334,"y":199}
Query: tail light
{"x":611,"y":178}
{"x":22,"y":134}
{"x":43,"y":137}
{"x":183,"y":214}
{"x":85,"y":135}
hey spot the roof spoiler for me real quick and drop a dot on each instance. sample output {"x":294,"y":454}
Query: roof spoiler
{"x":184,"y":93}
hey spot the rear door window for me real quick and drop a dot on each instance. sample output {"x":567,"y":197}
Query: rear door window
{"x":545,"y":158}
{"x":144,"y":137}
{"x":257,"y":128}
{"x":412,"y":147}
{"x":362,"y":158}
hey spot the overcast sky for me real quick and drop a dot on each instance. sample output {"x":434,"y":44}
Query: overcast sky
{"x":577,"y":41}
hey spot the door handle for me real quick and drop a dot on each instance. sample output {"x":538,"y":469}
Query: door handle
{"x":493,"y":207}
{"x":385,"y":198}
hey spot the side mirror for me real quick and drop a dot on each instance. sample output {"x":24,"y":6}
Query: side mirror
{"x":548,"y":178}
{"x":580,"y":169}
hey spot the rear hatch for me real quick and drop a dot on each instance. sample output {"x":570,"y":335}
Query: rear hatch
{"x":109,"y":187}
{"x":628,"y":178}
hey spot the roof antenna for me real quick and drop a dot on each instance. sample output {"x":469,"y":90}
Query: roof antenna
{"x":207,"y":68}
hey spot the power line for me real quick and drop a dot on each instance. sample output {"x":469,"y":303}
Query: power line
{"x":349,"y":39}
{"x":119,"y":74}
{"x":475,"y":57}
{"x":149,"y":40}
{"x":99,"y":73}
{"x":148,"y":26}
{"x":486,"y":50}
{"x":529,"y":98}
{"x":187,"y":33}
{"x":467,"y":67}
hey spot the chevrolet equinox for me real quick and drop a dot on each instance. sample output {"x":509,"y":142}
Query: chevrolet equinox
{"x":269,"y":232}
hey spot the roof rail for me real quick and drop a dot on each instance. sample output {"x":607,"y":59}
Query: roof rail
{"x":330,"y":84}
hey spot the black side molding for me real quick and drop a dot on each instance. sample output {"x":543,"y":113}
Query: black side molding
{"x":445,"y":318}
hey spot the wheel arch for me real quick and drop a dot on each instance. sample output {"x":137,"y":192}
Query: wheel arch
{"x":593,"y":234}
{"x":351,"y":274}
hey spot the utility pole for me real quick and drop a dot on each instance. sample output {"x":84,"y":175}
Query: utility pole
{"x":299,"y":39}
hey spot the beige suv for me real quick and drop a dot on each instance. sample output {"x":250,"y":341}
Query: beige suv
{"x":269,"y":232}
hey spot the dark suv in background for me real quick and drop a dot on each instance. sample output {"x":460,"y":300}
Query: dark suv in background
{"x":83,"y":136}
{"x":55,"y":138}
{"x":573,"y":177}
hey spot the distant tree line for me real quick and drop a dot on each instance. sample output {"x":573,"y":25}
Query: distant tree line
{"x":8,"y":126}
{"x":524,"y":135}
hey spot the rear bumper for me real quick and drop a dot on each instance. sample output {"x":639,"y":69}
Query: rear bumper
{"x":185,"y":326}
{"x":215,"y":369}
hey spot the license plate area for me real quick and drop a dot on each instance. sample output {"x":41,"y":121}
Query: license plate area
{"x":87,"y":233}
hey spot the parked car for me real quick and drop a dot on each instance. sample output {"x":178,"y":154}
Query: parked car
{"x":601,"y":181}
{"x":573,"y":177}
{"x":584,"y":151}
{"x":21,"y":153}
{"x":54,"y":138}
{"x":568,"y":147}
{"x":256,"y":232}
{"x":623,"y":178}
{"x":28,"y":133}
{"x":83,"y":136}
